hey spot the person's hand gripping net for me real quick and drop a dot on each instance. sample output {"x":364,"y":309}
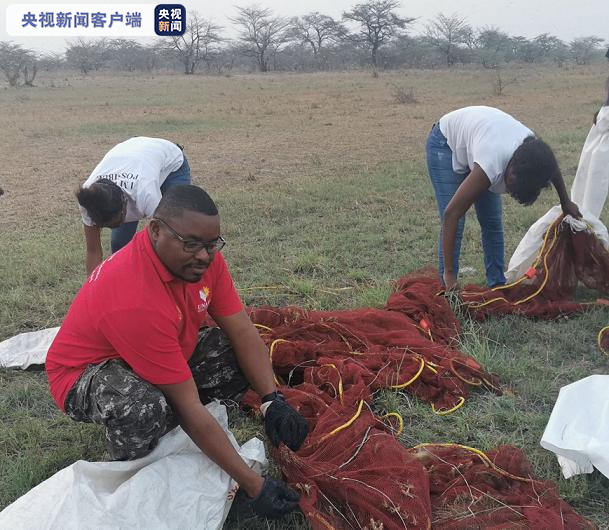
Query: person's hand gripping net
{"x":275,"y":499}
{"x":282,"y":423}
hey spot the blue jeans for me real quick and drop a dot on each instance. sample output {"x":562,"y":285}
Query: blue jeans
{"x":488,"y":209}
{"x":125,"y":232}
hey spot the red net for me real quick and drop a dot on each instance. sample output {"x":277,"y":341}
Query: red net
{"x":354,"y":476}
{"x":405,"y":346}
{"x":547,"y":289}
{"x":351,"y":471}
{"x":472,"y":490}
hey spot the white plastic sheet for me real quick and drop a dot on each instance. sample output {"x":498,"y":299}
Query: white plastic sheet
{"x":591,"y":182}
{"x":578,"y":429}
{"x":530,"y":245}
{"x":589,"y":192}
{"x":26,"y":349}
{"x":174,"y":487}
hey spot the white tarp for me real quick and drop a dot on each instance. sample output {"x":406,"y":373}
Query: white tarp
{"x":26,"y":349}
{"x":578,"y":429}
{"x":591,"y":182}
{"x":589,"y":192}
{"x":174,"y":487}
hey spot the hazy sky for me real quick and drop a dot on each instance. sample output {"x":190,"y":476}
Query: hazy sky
{"x":566,"y":19}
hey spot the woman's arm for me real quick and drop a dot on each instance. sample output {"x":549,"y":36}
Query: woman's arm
{"x":94,"y":249}
{"x":567,"y":205}
{"x":470,"y":189}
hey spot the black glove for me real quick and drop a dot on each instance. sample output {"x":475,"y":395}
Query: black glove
{"x":275,"y":499}
{"x":283,"y":424}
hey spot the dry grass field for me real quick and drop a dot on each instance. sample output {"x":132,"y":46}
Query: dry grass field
{"x":322,"y":185}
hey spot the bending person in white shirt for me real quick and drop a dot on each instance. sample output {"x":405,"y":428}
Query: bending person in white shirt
{"x":126,"y":186}
{"x":473,"y":155}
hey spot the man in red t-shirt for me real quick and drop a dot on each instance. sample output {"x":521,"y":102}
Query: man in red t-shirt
{"x":133,"y":356}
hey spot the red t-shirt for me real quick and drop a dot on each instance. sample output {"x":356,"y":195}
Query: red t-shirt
{"x":133,"y":308}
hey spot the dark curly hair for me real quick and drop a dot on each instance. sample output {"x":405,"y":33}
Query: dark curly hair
{"x":103,"y":201}
{"x":185,"y":197}
{"x":533,"y":166}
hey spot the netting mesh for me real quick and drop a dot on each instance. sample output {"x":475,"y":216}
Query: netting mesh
{"x":547,"y":289}
{"x":352,"y":471}
{"x":356,"y":476}
{"x":495,"y":490}
{"x":408,"y":345}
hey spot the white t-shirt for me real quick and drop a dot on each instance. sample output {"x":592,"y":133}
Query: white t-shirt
{"x":485,"y":136}
{"x":139,"y":166}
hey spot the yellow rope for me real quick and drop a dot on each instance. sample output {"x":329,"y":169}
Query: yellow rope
{"x":545,"y":268}
{"x":449,"y":411}
{"x":474,"y":382}
{"x":400,"y":421}
{"x":430,"y":366}
{"x":326,"y":524}
{"x":414,"y":378}
{"x":265,"y":328}
{"x":599,"y":338}
{"x":478,"y":305}
{"x":508,"y":285}
{"x":348,"y":424}
{"x":273,"y":344}
{"x":534,"y":266}
{"x":340,"y":381}
{"x":513,"y":284}
{"x":482,"y":456}
{"x":490,"y":385}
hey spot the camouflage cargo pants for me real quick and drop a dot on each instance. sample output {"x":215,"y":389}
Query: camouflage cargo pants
{"x":134,"y":412}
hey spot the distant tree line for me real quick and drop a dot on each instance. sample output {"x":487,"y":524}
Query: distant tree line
{"x":370,"y":34}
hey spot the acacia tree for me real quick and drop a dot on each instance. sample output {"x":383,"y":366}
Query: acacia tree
{"x":87,"y":55}
{"x":583,"y":48}
{"x":50,"y":61}
{"x":261,"y":34}
{"x":317,"y":31}
{"x":124,"y":54}
{"x":17,"y":63}
{"x":524,"y":49}
{"x":447,"y":33}
{"x":494,"y":47}
{"x":198,"y":44}
{"x":379,"y":24}
{"x":551,"y":48}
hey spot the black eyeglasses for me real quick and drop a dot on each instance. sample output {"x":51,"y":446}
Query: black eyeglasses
{"x":192,"y":246}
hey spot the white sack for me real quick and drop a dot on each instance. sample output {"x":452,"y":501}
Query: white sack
{"x":578,"y":428}
{"x":591,"y":182}
{"x":589,"y":192}
{"x":26,"y":349}
{"x":529,"y":247}
{"x":174,"y":487}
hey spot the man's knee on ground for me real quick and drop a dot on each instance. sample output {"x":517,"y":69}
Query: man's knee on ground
{"x":136,"y":428}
